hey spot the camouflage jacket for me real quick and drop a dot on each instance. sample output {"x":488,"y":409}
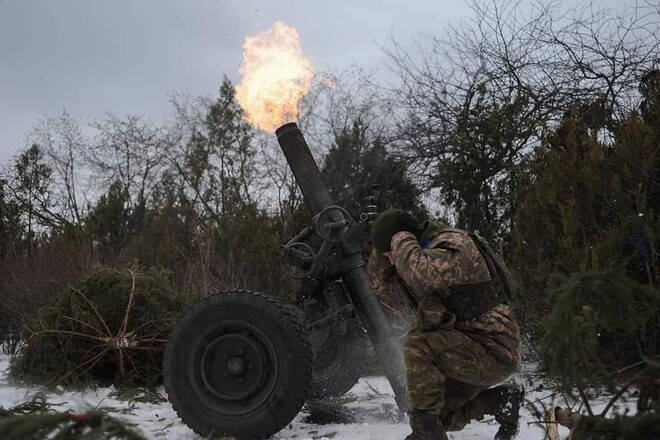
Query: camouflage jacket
{"x":450,"y":258}
{"x":394,"y":294}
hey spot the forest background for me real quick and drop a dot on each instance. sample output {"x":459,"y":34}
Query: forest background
{"x":540,"y":130}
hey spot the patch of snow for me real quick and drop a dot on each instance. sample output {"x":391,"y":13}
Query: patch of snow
{"x":371,"y":394}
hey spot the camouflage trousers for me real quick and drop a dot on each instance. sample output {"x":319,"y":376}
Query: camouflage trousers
{"x":449,"y":373}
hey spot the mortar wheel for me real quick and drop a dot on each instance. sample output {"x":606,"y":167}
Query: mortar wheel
{"x":338,"y":360}
{"x":237,"y":364}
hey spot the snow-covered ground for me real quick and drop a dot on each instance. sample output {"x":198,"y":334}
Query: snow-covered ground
{"x":371,"y":395}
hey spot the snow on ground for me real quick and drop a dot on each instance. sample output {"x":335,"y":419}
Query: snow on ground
{"x":371,"y":395}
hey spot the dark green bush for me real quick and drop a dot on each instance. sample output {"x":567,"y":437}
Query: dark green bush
{"x":108,"y":328}
{"x":599,"y":321}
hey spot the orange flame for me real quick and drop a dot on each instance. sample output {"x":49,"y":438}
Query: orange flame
{"x":275,"y":77}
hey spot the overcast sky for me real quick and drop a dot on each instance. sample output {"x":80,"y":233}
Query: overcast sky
{"x":125,"y":56}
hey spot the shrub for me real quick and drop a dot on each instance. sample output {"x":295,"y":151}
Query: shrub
{"x":599,"y":321}
{"x":108,"y":328}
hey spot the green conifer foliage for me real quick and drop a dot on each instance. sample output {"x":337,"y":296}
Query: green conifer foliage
{"x":356,"y":161}
{"x":36,"y":420}
{"x":598,"y":321}
{"x":590,"y":200}
{"x":87,"y":426}
{"x":108,"y":328}
{"x":641,"y":427}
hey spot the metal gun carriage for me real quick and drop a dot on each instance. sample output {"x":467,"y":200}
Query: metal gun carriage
{"x":242,"y":363}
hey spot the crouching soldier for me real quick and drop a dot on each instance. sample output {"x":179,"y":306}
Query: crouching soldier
{"x":464,"y":338}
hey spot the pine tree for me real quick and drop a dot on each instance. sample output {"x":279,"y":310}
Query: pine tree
{"x":587,"y":203}
{"x":357,"y":161}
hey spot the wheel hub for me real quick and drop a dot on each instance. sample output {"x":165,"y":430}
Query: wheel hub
{"x":236,"y":367}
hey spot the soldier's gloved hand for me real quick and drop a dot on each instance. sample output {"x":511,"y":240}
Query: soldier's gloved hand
{"x":389,"y":223}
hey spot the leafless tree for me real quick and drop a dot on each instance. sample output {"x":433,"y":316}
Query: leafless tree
{"x":479,"y":98}
{"x":130,"y":150}
{"x":56,"y":146}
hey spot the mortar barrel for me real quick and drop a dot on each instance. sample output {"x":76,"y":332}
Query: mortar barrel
{"x":367,"y":305}
{"x":304,"y":167}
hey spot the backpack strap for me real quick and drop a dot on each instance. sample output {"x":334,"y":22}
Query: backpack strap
{"x":496,"y":266}
{"x":467,"y":301}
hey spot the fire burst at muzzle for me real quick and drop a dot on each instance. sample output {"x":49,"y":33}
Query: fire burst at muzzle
{"x":275,"y":77}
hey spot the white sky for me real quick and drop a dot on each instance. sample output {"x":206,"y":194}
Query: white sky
{"x":125,"y":56}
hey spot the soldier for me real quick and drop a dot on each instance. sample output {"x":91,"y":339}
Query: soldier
{"x":463,"y":339}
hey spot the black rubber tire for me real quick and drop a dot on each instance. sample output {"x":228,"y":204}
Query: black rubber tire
{"x":267,"y":346}
{"x":338,"y":363}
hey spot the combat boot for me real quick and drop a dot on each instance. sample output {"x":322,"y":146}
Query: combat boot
{"x":506,"y":401}
{"x":426,"y":426}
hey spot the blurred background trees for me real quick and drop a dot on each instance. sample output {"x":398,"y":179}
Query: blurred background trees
{"x":535,"y":126}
